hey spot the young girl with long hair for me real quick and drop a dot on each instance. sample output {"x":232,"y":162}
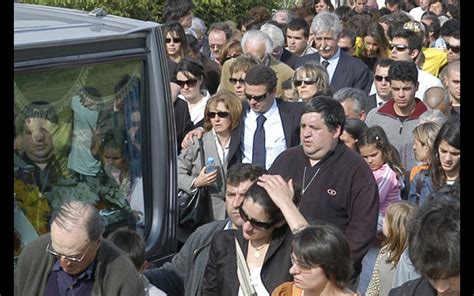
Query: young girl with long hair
{"x":384,"y":161}
{"x":395,"y":230}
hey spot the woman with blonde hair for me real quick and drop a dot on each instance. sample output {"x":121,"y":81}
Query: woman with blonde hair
{"x":309,"y":80}
{"x":222,"y":115}
{"x":395,"y":229}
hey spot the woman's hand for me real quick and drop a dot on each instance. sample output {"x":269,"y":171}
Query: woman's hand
{"x":205,"y":179}
{"x":282,"y":192}
{"x":279,"y":190}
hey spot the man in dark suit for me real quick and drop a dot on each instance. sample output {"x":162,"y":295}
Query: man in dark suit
{"x":343,"y":69}
{"x":280,"y":127}
{"x":282,"y":119}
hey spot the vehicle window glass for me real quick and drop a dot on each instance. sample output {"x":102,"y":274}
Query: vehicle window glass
{"x":78,"y":136}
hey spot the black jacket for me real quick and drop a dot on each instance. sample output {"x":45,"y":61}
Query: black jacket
{"x":220,"y":276}
{"x":417,"y":287}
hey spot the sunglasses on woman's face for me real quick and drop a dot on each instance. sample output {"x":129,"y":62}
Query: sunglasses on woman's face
{"x":175,"y":40}
{"x":221,"y":114}
{"x":189,"y":82}
{"x":306,"y":82}
{"x":253,"y":222}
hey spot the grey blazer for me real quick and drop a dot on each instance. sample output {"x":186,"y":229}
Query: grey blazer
{"x":189,"y":167}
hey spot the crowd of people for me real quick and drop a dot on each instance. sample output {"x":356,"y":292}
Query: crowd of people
{"x":335,"y":130}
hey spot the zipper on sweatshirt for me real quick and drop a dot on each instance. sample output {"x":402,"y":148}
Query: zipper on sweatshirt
{"x":401,"y":128}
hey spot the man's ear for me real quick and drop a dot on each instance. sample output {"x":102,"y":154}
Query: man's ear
{"x":414,"y":54}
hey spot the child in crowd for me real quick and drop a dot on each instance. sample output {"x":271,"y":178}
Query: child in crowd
{"x":394,"y":228}
{"x":132,"y":244}
{"x":384,"y":162}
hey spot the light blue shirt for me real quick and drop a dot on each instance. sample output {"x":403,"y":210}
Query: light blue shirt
{"x":274,"y":135}
{"x":332,"y":63}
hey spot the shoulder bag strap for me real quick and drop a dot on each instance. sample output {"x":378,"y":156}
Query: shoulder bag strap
{"x":243,"y":272}
{"x":201,"y":152}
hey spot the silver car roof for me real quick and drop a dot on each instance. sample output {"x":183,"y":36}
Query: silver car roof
{"x":42,"y":26}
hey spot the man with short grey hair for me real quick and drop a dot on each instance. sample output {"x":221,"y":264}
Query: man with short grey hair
{"x":74,"y":258}
{"x":260,"y":45}
{"x":353,"y":100}
{"x":343,"y":69}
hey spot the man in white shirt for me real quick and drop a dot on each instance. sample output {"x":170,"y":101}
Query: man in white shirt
{"x":406,"y":46}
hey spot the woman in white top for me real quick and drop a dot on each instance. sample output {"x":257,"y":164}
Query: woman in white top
{"x":190,"y":78}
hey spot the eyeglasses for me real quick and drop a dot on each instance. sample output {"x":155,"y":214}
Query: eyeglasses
{"x":254,"y":223}
{"x":189,"y":82}
{"x":256,"y":98}
{"x":399,"y":47}
{"x":221,"y":114}
{"x":235,"y":80}
{"x":454,"y":49}
{"x":73,"y":258}
{"x":379,"y":78}
{"x":175,"y":40}
{"x":216,"y":46}
{"x":301,"y":266}
{"x":306,"y":82}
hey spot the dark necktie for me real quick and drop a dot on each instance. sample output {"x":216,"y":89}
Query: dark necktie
{"x":325,"y":64}
{"x":258,"y":149}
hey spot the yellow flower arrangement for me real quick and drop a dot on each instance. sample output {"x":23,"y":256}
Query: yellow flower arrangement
{"x":34,"y":205}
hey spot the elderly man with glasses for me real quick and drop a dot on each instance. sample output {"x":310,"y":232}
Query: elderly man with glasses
{"x":74,"y":259}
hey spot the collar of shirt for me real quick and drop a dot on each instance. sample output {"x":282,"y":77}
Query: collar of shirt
{"x":221,"y":151}
{"x":332,"y":62}
{"x":228,"y":225}
{"x":379,"y":100}
{"x":89,"y":272}
{"x":253,"y":115}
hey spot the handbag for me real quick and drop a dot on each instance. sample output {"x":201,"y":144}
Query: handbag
{"x":194,"y":208}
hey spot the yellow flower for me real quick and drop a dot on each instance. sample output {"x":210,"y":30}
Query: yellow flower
{"x":34,"y":205}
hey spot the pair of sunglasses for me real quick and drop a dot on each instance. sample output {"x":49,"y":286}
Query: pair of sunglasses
{"x":399,"y":47}
{"x":189,"y":82}
{"x":379,"y":78}
{"x":256,"y":224}
{"x":175,"y":40}
{"x":235,"y":80}
{"x":454,"y":49}
{"x":221,"y":114}
{"x":306,"y":82}
{"x":256,"y":98}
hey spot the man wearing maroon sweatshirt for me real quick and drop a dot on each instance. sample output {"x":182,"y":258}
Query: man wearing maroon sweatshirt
{"x":337,"y":184}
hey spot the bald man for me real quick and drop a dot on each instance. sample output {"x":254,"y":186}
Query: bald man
{"x":453,"y":82}
{"x":75,"y":259}
{"x":437,"y":98}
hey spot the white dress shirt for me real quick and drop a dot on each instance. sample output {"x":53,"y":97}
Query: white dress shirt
{"x":274,"y":135}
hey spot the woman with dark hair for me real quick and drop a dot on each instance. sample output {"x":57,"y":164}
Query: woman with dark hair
{"x":353,"y":129}
{"x":256,"y":258}
{"x":321,"y":263}
{"x":190,"y":76}
{"x":375,"y":45}
{"x":175,"y":41}
{"x":445,"y":162}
